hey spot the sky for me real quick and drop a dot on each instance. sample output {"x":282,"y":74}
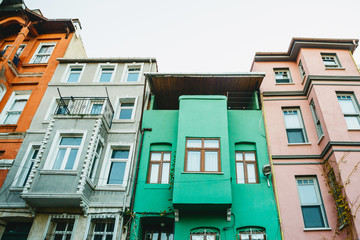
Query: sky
{"x":202,"y":35}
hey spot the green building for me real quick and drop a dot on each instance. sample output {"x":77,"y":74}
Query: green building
{"x":200,"y":170}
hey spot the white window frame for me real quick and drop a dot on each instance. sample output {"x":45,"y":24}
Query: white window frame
{"x":104,"y":175}
{"x":319,"y":203}
{"x":50,"y":160}
{"x":14,"y":96}
{"x":126,"y":72}
{"x":301,"y":70}
{"x":67,"y":72}
{"x":355,"y":105}
{"x":283,"y":71}
{"x":118,"y":108}
{"x":333,"y":57}
{"x":93,"y":218}
{"x":317,"y":122}
{"x":101,"y":142}
{"x":2,"y":91}
{"x":301,"y":122}
{"x":18,"y":53}
{"x":38,"y":49}
{"x":24,"y":168}
{"x":52,"y":221}
{"x":99,"y":72}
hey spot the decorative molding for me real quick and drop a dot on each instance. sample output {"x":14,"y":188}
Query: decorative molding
{"x":39,"y":156}
{"x":17,"y":74}
{"x":6,"y":163}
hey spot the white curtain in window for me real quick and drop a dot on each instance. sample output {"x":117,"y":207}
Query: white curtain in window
{"x":347,"y":106}
{"x":194,"y":143}
{"x":211,"y":161}
{"x":352,"y":122}
{"x":193,"y":161}
{"x":292,"y":121}
{"x":165,"y":173}
{"x":308,"y":194}
{"x":197,"y":237}
{"x":211,"y":143}
{"x":154,"y":173}
{"x":251,"y":173}
{"x":240,"y":172}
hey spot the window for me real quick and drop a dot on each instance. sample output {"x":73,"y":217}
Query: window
{"x":102,"y":229}
{"x":159,"y":233}
{"x":95,"y":160}
{"x":67,"y":152}
{"x":246,"y":169}
{"x":106,"y":73}
{"x":294,"y":126}
{"x":74,"y":73}
{"x":252,"y":233}
{"x":13,"y":109}
{"x":133,"y":73}
{"x":126,"y":108}
{"x":96,"y":107}
{"x":302,"y":70}
{"x":350,"y":109}
{"x":319,"y":130}
{"x":204,"y":234}
{"x":118,"y":161}
{"x":43,"y":53}
{"x":159,"y":167}
{"x":311,"y":203}
{"x":25,"y":168}
{"x":18,"y":51}
{"x":330,"y":60}
{"x":282,"y":75}
{"x":202,"y":155}
{"x":61,"y":229}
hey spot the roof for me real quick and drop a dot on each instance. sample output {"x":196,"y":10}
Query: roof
{"x":105,"y":60}
{"x":297,"y":43}
{"x":168,"y":87}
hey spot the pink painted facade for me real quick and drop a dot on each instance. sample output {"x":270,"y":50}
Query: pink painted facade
{"x":302,"y":153}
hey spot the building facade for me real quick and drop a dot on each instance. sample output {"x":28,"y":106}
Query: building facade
{"x":200,"y":162}
{"x":29,"y":46}
{"x":310,"y":99}
{"x":72,"y":177}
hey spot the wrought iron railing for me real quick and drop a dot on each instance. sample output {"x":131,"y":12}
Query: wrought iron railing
{"x":82,"y":106}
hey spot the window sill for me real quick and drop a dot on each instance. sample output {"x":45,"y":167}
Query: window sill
{"x":215,"y":173}
{"x":16,"y":189}
{"x":317,"y":229}
{"x":354,"y":129}
{"x":110,"y":188}
{"x":58,"y":172}
{"x":337,"y":68}
{"x":157,"y":186}
{"x":320,"y":139}
{"x":299,"y":144}
{"x":289,"y":83}
{"x":123,"y":121}
{"x":34,"y":64}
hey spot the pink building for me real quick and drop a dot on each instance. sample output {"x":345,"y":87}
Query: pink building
{"x":311,"y":96}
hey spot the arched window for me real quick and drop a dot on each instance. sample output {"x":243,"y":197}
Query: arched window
{"x":204,"y":233}
{"x":251,"y":233}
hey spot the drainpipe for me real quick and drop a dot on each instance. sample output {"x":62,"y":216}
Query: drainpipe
{"x":272,"y":165}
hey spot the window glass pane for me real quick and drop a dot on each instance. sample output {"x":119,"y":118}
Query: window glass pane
{"x":165,"y":173}
{"x":59,"y":158}
{"x":125,"y":113}
{"x":120,"y":154}
{"x":18,"y":105}
{"x":96,"y":108}
{"x":292,"y":121}
{"x":211,"y":161}
{"x":127,"y":104}
{"x":100,"y":227}
{"x":154,"y":173}
{"x":74,"y":141}
{"x":105,"y":77}
{"x":167,"y":156}
{"x":308,"y":194}
{"x":193,"y":161}
{"x":211,"y":143}
{"x":239,"y":156}
{"x":352,"y":122}
{"x":71,"y":159}
{"x":249,"y":156}
{"x":194,"y":143}
{"x":257,"y":236}
{"x":244,"y":236}
{"x":117,"y":172}
{"x":347,"y":106}
{"x":251,"y":173}
{"x":110,"y":227}
{"x":240,"y":172}
{"x":155,"y":156}
{"x":295,"y":135}
{"x":210,"y":237}
{"x":132,"y":77}
{"x":74,"y":75}
{"x":12,"y":118}
{"x":312,"y":216}
{"x":197,"y":237}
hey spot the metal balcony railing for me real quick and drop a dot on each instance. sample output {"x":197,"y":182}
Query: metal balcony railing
{"x":84,"y":106}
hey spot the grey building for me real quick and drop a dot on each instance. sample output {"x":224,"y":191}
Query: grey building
{"x":73,"y":175}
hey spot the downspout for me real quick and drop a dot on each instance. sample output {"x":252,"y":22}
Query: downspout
{"x":271,"y":163}
{"x":139,"y":156}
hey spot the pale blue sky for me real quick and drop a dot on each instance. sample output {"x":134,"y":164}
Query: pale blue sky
{"x":202,"y":35}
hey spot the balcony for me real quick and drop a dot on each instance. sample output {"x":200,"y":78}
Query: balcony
{"x":85,"y":106}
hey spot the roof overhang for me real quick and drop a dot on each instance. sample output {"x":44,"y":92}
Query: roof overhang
{"x":168,"y":87}
{"x":105,"y":60}
{"x":297,"y":43}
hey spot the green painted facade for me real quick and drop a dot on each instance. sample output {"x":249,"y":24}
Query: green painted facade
{"x":203,"y":199}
